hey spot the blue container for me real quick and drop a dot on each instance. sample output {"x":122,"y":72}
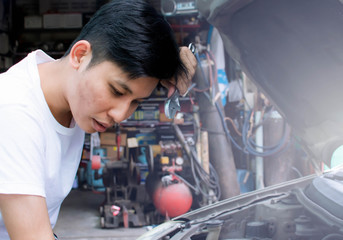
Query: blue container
{"x":245,"y":179}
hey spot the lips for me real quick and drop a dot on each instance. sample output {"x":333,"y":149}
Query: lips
{"x":100,"y":127}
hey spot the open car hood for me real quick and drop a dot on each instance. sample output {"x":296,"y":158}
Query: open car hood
{"x":292,"y":50}
{"x":305,"y":208}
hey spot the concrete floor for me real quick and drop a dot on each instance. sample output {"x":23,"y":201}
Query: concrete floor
{"x":79,"y":219}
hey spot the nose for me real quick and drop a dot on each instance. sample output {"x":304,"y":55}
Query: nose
{"x":121,"y":111}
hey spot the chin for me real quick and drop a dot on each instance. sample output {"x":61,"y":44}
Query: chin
{"x":87,"y":128}
{"x":89,"y":131}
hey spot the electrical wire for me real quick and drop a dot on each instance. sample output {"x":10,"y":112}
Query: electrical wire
{"x":206,"y":184}
{"x":269,"y":150}
{"x":233,"y":125}
{"x":204,"y":91}
{"x":249,"y":146}
{"x":202,"y":180}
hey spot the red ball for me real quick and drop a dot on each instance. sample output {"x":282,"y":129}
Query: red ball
{"x":173,"y":200}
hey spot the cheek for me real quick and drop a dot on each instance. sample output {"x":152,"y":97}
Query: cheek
{"x":92,"y":98}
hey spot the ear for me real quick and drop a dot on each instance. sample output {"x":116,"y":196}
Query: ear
{"x":80,"y":53}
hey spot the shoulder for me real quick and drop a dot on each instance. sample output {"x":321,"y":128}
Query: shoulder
{"x":21,"y":123}
{"x":17,"y":83}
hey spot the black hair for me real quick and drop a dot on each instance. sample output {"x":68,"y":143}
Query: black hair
{"x":133,"y":35}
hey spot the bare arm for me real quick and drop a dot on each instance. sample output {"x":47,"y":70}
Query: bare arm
{"x":26,"y":217}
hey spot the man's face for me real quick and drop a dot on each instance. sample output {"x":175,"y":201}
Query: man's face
{"x":104,"y":95}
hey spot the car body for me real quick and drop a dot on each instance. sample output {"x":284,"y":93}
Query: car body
{"x":305,"y":208}
{"x":293,"y":51}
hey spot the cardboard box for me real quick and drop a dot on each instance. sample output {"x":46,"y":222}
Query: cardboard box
{"x":52,"y":20}
{"x":63,"y":6}
{"x":112,"y":151}
{"x":62,"y":20}
{"x":132,"y":142}
{"x":33,"y":22}
{"x":156,"y":149}
{"x":72,"y":20}
{"x":109,"y":138}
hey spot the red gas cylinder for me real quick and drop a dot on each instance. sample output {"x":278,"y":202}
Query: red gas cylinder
{"x":172,"y":200}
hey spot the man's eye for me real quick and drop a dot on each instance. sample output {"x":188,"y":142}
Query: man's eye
{"x":116,"y":92}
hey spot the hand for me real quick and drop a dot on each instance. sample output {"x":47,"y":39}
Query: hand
{"x":183,"y":80}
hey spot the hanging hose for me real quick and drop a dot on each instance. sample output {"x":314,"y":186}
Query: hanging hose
{"x":204,"y":182}
{"x":249,"y":146}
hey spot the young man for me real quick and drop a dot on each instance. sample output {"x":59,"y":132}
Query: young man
{"x":46,"y":105}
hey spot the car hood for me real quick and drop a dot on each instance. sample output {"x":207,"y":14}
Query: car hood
{"x":292,"y":50}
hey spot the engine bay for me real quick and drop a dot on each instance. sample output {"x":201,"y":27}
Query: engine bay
{"x":309,"y":209}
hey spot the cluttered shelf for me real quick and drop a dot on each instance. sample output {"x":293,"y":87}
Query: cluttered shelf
{"x":161,"y":99}
{"x":150,"y":123}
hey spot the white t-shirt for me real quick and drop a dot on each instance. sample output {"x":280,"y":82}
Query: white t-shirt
{"x":38,"y":156}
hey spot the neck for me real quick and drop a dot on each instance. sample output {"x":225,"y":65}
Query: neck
{"x":54,"y":77}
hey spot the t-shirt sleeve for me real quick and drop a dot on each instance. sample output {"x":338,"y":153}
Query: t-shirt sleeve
{"x":22,"y":153}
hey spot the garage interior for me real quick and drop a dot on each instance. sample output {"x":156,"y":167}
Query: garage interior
{"x":227,"y":139}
